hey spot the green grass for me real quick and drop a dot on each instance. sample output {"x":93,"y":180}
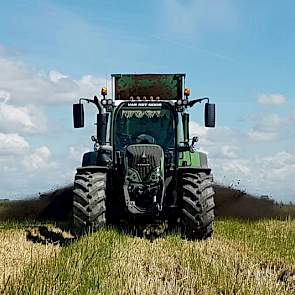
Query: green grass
{"x":242,"y":258}
{"x":272,"y":240}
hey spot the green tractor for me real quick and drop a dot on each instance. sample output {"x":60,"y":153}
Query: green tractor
{"x":144,"y":168}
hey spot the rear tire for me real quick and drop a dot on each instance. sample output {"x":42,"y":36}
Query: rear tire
{"x":197,"y":214}
{"x":89,"y":202}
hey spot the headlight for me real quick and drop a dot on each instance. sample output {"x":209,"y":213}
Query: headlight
{"x":132,"y":175}
{"x":155,"y":175}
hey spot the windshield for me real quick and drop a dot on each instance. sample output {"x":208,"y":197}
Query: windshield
{"x":145,"y":125}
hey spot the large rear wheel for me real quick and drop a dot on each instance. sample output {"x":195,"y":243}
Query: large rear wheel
{"x":89,"y":203}
{"x":197,"y":214}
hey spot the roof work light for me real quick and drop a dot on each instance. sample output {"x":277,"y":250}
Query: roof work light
{"x":187,"y":92}
{"x":104,"y":91}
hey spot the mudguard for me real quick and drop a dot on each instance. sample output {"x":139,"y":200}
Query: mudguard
{"x":193,"y":159}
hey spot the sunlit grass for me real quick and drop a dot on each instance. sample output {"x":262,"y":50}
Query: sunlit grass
{"x":242,"y":258}
{"x":16,"y":253}
{"x":268,"y":239}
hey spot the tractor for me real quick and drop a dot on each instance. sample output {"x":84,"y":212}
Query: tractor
{"x":144,"y":167}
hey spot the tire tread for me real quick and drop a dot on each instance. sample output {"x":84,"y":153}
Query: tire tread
{"x":197,"y":206}
{"x":89,"y":200}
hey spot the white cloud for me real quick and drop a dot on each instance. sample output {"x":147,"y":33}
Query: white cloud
{"x":262,"y":136}
{"x":24,"y":169}
{"x":12,"y":144}
{"x":27,"y":119}
{"x":4,"y":96}
{"x":76,"y":152}
{"x":214,"y":136}
{"x":39,"y":159}
{"x":25,"y":95}
{"x":55,"y":76}
{"x":276,"y":173}
{"x":229,"y":152}
{"x":269,"y":122}
{"x":280,"y":162}
{"x":238,"y":167}
{"x":197,"y":130}
{"x":17,"y":153}
{"x":267,"y":127}
{"x":19,"y":84}
{"x":271,"y":99}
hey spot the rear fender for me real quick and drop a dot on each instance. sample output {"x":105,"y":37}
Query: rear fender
{"x":193,"y":159}
{"x":193,"y":170}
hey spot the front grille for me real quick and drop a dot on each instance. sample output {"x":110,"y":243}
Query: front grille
{"x":144,"y":158}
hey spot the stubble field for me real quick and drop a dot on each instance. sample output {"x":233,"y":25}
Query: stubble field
{"x":243,"y":257}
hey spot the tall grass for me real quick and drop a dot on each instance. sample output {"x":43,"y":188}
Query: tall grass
{"x":242,"y":258}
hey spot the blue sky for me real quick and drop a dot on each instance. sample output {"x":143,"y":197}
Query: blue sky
{"x":239,"y":53}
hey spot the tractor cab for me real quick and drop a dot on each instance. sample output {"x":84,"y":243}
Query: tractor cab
{"x":144,"y":123}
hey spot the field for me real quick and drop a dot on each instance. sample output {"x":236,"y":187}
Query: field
{"x":252,"y":252}
{"x":243,"y":257}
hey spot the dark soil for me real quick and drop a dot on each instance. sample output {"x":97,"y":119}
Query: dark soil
{"x":230,"y":202}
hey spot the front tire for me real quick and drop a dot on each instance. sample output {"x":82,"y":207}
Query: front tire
{"x":89,"y":202}
{"x":197,"y":214}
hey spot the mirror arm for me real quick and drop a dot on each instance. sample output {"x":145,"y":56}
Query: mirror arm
{"x":94,"y":101}
{"x":193,"y":102}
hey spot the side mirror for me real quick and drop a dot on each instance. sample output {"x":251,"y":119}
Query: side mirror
{"x":210,"y":115}
{"x":78,"y":115}
{"x":185,"y":123}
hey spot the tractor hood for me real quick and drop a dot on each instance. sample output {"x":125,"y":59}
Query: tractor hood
{"x":144,"y":163}
{"x":144,"y":178}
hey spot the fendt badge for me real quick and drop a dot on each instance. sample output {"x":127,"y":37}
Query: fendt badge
{"x":144,"y":104}
{"x":144,"y":161}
